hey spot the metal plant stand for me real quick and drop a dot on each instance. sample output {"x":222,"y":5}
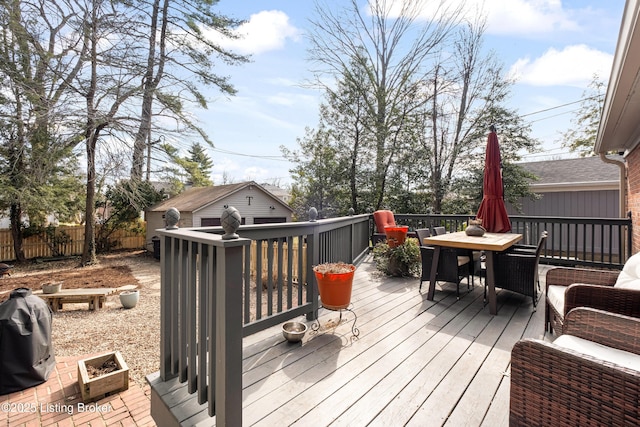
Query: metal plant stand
{"x":315,"y":326}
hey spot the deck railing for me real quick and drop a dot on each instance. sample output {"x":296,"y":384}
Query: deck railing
{"x":588,"y":242}
{"x":210,"y":299}
{"x":206,"y":280}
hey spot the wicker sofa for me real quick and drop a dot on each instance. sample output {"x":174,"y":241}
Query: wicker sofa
{"x":590,"y":376}
{"x":614,"y":291}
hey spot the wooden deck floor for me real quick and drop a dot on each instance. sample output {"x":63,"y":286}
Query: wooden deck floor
{"x":415,"y":362}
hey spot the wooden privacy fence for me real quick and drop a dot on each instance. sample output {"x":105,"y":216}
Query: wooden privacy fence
{"x":65,"y":241}
{"x":278,"y":253}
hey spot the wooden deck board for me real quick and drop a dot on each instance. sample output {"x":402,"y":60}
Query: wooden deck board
{"x":415,"y":362}
{"x":364,"y":370}
{"x":472,"y":407}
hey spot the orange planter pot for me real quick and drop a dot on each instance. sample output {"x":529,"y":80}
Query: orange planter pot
{"x":335,"y":288}
{"x":396,"y":235}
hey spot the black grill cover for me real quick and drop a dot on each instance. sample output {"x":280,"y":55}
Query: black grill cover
{"x":26,"y":351}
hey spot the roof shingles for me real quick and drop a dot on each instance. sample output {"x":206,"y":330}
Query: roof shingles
{"x":579,"y":170}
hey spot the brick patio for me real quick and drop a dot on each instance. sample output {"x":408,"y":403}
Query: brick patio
{"x":57,"y":402}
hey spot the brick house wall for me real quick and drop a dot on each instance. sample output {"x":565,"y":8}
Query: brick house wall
{"x":633,"y":194}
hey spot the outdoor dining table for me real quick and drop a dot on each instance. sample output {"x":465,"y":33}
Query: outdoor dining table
{"x":489,"y":242}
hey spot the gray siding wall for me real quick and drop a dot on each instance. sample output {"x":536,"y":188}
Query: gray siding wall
{"x":259,"y":207}
{"x":595,"y":204}
{"x":591,"y":204}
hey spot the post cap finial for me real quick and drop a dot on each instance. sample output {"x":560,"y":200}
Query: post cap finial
{"x":313,"y":214}
{"x":172,"y":217}
{"x":230,"y":221}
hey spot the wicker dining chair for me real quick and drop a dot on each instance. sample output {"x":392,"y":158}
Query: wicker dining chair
{"x":421,"y":233}
{"x":517,"y":271}
{"x":452,"y":267}
{"x":475,"y":268}
{"x":588,"y":377}
{"x":438,"y":231}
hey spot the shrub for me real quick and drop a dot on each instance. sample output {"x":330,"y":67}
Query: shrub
{"x":403,"y":260}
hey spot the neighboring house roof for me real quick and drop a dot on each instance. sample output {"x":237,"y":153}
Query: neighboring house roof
{"x":160,"y":186}
{"x":197,"y":198}
{"x":584,"y":173}
{"x":281,"y":193}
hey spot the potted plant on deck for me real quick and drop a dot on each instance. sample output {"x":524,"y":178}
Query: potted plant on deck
{"x":396,"y":235}
{"x":335,"y":281}
{"x":400,"y":260}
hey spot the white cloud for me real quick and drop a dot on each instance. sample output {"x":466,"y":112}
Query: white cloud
{"x":256,"y":173}
{"x":264,"y":31}
{"x":515,"y":17}
{"x":282,"y":81}
{"x":573,"y":66}
{"x":527,"y":18}
{"x":281,"y":99}
{"x":227,"y":171}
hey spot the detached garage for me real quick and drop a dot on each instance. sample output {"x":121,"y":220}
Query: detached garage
{"x":202,"y":207}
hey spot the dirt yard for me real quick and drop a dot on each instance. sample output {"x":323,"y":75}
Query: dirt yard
{"x":31,"y":275}
{"x":76,"y":331}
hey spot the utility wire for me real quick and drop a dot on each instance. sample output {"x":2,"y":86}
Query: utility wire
{"x":282,"y":159}
{"x":255,"y":156}
{"x":563,"y":105}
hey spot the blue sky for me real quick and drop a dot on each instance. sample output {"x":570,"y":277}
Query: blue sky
{"x":554,"y":48}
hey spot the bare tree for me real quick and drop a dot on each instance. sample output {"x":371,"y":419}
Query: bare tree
{"x":394,"y":46}
{"x":467,"y":91}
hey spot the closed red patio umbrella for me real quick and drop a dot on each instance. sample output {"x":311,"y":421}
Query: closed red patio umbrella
{"x":492,"y":210}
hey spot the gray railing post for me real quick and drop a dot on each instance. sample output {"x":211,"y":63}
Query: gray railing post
{"x":313,"y":258}
{"x":168,"y":296}
{"x":227,"y":337}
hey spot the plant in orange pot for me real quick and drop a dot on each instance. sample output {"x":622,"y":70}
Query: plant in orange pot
{"x":396,"y":235}
{"x":335,"y":281}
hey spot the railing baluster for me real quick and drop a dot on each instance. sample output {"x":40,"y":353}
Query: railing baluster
{"x":191,"y":299}
{"x":301,"y":263}
{"x":174,"y":304}
{"x":279,"y":267}
{"x":206,"y":282}
{"x":182,"y":310}
{"x":212,"y":322}
{"x":269,"y":277}
{"x":290,"y":271}
{"x":247,"y":284}
{"x":259,"y":268}
{"x":610,"y":244}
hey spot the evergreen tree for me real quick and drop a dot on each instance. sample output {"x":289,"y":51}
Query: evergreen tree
{"x":193,"y":170}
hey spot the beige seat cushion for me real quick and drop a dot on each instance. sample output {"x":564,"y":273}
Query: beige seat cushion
{"x":622,"y":358}
{"x":462,"y":260}
{"x":629,"y":277}
{"x":555,"y":295}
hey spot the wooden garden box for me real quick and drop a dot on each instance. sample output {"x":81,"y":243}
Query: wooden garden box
{"x":96,"y":388}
